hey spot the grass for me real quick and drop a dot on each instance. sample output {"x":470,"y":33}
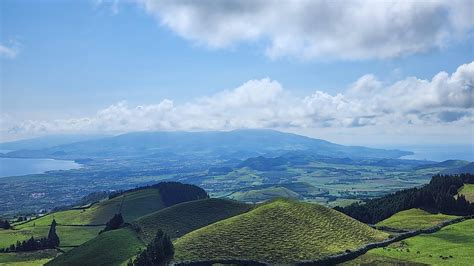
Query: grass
{"x":68,"y":235}
{"x":452,"y":245}
{"x":109,"y":248}
{"x":27,"y":258}
{"x":414,"y":219}
{"x":134,"y":204}
{"x":371,"y":259}
{"x":468,"y":191}
{"x":186,"y":217}
{"x":282,"y":231}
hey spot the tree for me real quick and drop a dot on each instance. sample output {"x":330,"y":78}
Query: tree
{"x":53,"y":238}
{"x":159,"y":252}
{"x":114,"y":223}
{"x":437,"y":195}
{"x":5,"y":224}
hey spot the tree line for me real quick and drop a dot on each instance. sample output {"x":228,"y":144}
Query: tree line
{"x":32,"y":244}
{"x":175,"y":192}
{"x":171,"y":192}
{"x":437,"y":195}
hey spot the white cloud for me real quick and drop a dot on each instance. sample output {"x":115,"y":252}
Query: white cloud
{"x":356,"y":29}
{"x":8,"y":52}
{"x":444,"y":101}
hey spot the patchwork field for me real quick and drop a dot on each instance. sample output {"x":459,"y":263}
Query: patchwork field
{"x":282,"y":231}
{"x":27,"y":258}
{"x":414,"y":219}
{"x":80,"y":225}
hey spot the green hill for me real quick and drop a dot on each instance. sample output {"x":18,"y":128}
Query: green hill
{"x":414,"y":219}
{"x":176,"y":221}
{"x":109,"y":248}
{"x":186,"y":217}
{"x":282,"y":231}
{"x":260,"y":193}
{"x":134,"y":204}
{"x":264,"y":194}
{"x":77,"y":226}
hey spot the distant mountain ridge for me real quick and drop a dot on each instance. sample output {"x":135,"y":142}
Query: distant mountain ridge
{"x":219,"y":144}
{"x":47,"y":142}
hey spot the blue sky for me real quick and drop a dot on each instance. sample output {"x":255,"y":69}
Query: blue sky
{"x":75,"y":59}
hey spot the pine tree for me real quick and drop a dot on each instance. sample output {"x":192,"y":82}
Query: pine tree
{"x":53,"y":238}
{"x":5,"y":224}
{"x":159,"y":252}
{"x":114,"y":223}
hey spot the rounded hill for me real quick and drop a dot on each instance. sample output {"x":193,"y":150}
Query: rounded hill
{"x":281,"y":231}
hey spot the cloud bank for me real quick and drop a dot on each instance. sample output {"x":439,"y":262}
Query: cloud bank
{"x":308,"y":29}
{"x":445,"y":100}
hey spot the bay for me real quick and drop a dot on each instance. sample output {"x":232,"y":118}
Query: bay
{"x":20,"y":166}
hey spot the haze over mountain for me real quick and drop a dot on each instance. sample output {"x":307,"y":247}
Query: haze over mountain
{"x":232,"y":144}
{"x":46,"y":141}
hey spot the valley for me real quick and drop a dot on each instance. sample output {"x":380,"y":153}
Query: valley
{"x":337,"y":181}
{"x":223,"y":230}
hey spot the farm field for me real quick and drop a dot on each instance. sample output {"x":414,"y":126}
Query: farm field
{"x":415,"y":219}
{"x":452,"y":245}
{"x":69,"y":236}
{"x":342,"y":181}
{"x":27,"y":258}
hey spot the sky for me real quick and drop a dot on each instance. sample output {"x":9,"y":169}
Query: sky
{"x":353,"y":72}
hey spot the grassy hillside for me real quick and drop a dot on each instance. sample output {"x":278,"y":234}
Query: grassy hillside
{"x":186,"y":217}
{"x":294,"y":190}
{"x":413,"y":219}
{"x":109,"y":248}
{"x":133,"y":205}
{"x":264,"y":194}
{"x":452,"y":245}
{"x":468,"y":191}
{"x":281,"y":231}
{"x":176,"y":221}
